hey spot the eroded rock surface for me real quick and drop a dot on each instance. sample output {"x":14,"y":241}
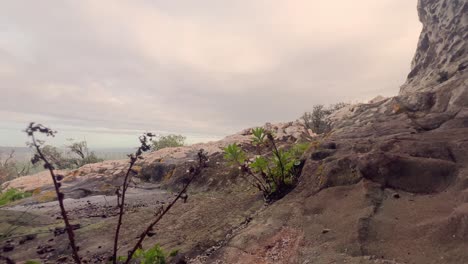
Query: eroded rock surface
{"x":442,"y":49}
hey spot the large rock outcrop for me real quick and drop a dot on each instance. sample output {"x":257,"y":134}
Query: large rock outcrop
{"x":442,"y":48}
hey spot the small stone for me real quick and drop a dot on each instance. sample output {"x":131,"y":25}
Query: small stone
{"x":44,"y":249}
{"x":179,"y":259}
{"x":8,"y":247}
{"x":31,"y":237}
{"x":396,"y":195}
{"x":328,"y":145}
{"x":321,"y":154}
{"x":325,"y":230}
{"x":62,"y":259}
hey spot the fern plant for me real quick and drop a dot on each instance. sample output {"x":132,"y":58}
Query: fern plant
{"x":234,"y":154}
{"x":154,"y":255}
{"x":259,"y":135}
{"x":274,"y":173}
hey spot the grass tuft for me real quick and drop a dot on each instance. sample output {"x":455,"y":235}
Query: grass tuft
{"x":11,"y":195}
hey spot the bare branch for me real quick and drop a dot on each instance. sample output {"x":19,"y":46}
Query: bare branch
{"x":193,"y":172}
{"x":10,"y":157}
{"x":145,"y":140}
{"x":36,"y":144}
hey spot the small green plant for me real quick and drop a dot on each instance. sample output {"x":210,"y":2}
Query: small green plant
{"x":154,"y":255}
{"x":318,"y":120}
{"x":259,"y":136}
{"x":234,"y":154}
{"x":32,"y":262}
{"x":273,"y":173}
{"x":168,"y":141}
{"x":11,"y":195}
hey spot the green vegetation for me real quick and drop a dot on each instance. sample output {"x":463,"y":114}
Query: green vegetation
{"x":318,"y":120}
{"x":78,"y":154}
{"x":82,"y":154}
{"x":273,"y":171}
{"x":11,"y":195}
{"x":168,"y":141}
{"x":154,"y":255}
{"x":32,"y":262}
{"x":234,"y":154}
{"x":75,"y":155}
{"x":56,"y":157}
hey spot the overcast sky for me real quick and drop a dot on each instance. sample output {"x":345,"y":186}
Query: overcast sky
{"x":108,"y":69}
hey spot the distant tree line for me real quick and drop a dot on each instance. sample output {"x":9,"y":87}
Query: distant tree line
{"x":168,"y":141}
{"x":76,"y":155}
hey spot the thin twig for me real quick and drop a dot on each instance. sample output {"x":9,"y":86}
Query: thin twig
{"x":60,"y":196}
{"x":121,"y":196}
{"x":121,"y":204}
{"x":194,"y":172}
{"x":10,"y":157}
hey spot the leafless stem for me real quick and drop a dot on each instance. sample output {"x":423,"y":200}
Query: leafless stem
{"x":121,"y":204}
{"x":193,"y":172}
{"x":10,"y":157}
{"x":264,"y":186}
{"x":144,"y":139}
{"x":55,"y":178}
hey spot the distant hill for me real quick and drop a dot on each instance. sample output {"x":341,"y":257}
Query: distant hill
{"x":23,"y":153}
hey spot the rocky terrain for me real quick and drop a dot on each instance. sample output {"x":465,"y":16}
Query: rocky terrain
{"x":389,"y":184}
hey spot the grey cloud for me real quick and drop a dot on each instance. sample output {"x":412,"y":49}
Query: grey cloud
{"x":202,"y":67}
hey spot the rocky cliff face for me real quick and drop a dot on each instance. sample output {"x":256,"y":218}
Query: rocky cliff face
{"x":442,"y":48}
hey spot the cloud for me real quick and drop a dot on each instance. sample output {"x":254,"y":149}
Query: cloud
{"x":203,"y":67}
